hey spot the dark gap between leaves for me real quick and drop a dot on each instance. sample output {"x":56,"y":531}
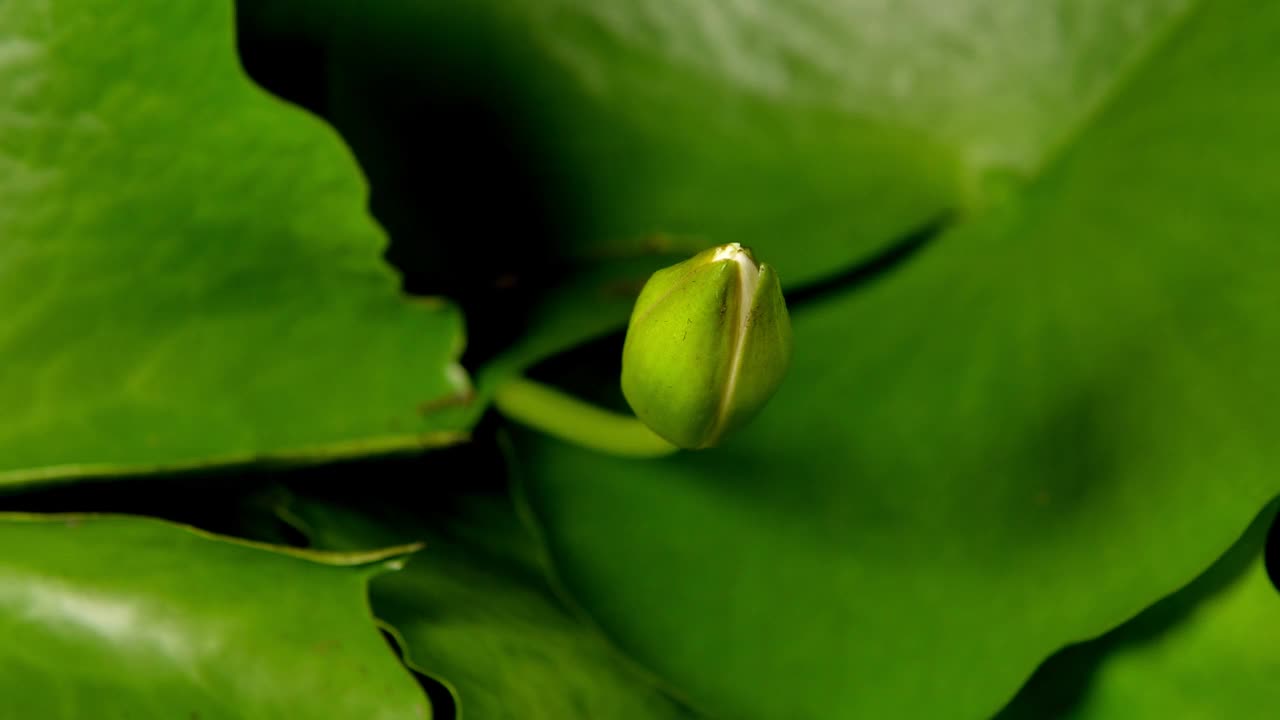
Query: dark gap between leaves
{"x":897,"y":254}
{"x":443,"y":705}
{"x":291,"y":66}
{"x":227,"y":501}
{"x":239,"y":502}
{"x":1062,"y":682}
{"x":591,"y":370}
{"x":474,"y":206}
{"x":1271,"y":553}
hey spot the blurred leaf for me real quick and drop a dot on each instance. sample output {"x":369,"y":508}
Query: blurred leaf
{"x":1204,"y":652}
{"x":187,"y":273}
{"x":626,"y":142}
{"x":1054,"y":415}
{"x":812,"y":130}
{"x":107,"y":616}
{"x":476,"y":611}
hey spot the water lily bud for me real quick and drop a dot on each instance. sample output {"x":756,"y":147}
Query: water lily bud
{"x":708,"y":344}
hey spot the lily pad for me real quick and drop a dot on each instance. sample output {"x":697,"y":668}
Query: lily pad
{"x":1053,"y":416}
{"x":1204,"y":652}
{"x":187,"y":271}
{"x":607,"y":114}
{"x":475,"y":609}
{"x":110,"y":616}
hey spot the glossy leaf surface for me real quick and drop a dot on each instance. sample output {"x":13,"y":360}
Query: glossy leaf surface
{"x":108,"y":616}
{"x":187,"y":272}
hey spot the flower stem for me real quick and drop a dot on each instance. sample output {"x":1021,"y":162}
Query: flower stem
{"x":581,"y":423}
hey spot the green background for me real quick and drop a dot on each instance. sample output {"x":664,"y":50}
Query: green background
{"x":1029,"y":256}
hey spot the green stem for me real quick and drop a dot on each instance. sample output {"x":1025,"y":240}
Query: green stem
{"x":581,"y":423}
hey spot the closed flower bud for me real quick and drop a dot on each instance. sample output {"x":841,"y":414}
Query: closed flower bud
{"x":708,"y":344}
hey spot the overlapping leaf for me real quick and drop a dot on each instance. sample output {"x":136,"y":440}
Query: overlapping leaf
{"x":476,"y":611}
{"x":126,"y":617}
{"x":1054,"y":416}
{"x":812,"y":131}
{"x":1205,"y":652}
{"x":1222,"y":662}
{"x":635,"y":146}
{"x":187,"y":274}
{"x":1049,"y":420}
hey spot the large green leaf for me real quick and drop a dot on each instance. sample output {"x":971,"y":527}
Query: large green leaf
{"x":805,"y":82}
{"x":813,"y":131}
{"x":475,"y":609}
{"x":1056,"y":414}
{"x":187,"y":273}
{"x":110,"y":617}
{"x":634,"y":138}
{"x":1221,"y":663}
{"x":1205,"y":652}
